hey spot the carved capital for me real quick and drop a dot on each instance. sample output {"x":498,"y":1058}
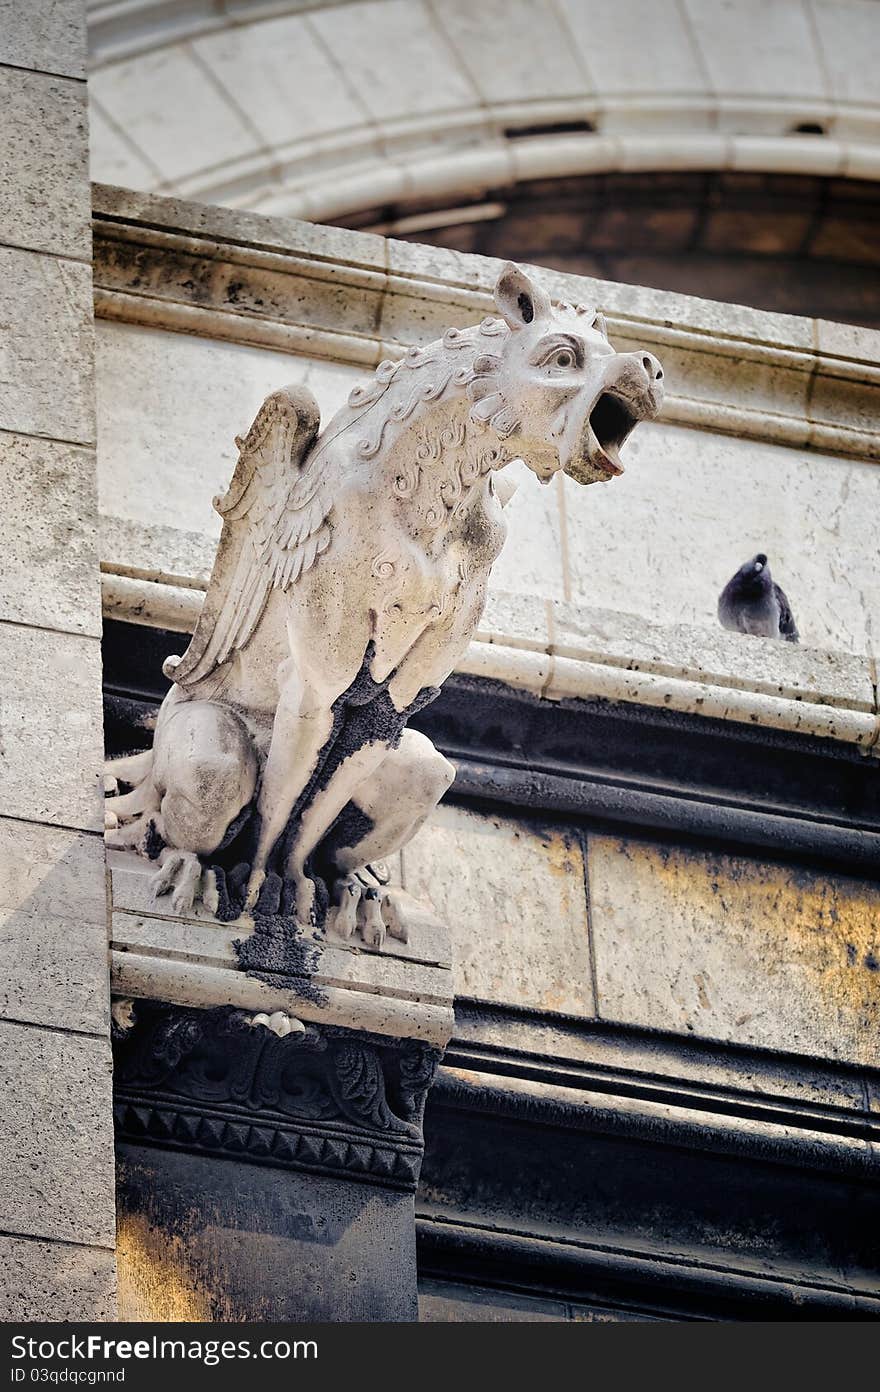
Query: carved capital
{"x":324,"y":1099}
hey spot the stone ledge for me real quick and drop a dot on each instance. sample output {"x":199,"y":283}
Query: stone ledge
{"x":353,"y":297}
{"x":404,"y":992}
{"x":718,"y":1148}
{"x":742,"y":1288}
{"x":559,"y":650}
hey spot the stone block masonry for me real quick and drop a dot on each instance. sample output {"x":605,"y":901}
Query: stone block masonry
{"x":57,"y":1214}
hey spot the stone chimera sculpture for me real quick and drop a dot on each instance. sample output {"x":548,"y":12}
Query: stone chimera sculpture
{"x":350,"y":576}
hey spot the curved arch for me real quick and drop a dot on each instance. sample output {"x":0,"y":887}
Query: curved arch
{"x":458,"y":174}
{"x":321,"y":109}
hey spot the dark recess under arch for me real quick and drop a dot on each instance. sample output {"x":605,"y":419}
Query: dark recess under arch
{"x":792,"y":244}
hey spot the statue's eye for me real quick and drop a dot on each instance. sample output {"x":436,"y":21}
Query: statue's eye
{"x":564,"y":358}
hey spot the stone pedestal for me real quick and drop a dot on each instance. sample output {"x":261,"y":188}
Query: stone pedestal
{"x":267,"y":1177}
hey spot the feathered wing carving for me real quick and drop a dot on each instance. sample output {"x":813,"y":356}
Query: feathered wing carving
{"x":275,"y":525}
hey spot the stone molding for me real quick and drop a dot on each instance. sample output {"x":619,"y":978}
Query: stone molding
{"x":403,"y":991}
{"x":324,"y":1100}
{"x":701,"y":1096}
{"x":512,"y":162}
{"x":634,"y":1115}
{"x":357,"y":298}
{"x":478,"y":1254}
{"x":562,"y":651}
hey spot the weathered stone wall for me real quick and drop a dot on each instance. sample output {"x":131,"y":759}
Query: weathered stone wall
{"x":655,"y":935}
{"x":57,"y":1217}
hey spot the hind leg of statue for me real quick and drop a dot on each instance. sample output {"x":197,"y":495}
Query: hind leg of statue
{"x":200,"y":774}
{"x":385,"y":813}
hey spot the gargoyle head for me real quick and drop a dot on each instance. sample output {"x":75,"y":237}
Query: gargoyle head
{"x":556,"y":391}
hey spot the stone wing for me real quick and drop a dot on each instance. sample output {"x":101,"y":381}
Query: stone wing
{"x":274,"y":528}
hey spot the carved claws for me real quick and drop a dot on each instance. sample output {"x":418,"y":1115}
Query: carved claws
{"x":181,"y":875}
{"x":366,"y":908}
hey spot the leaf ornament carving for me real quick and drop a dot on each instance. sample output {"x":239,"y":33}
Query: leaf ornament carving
{"x":359,"y":1084}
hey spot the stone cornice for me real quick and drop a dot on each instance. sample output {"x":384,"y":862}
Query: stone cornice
{"x":630,"y":1116}
{"x":641,"y":1280}
{"x":356,"y":298}
{"x":404,"y":992}
{"x":704,"y":1096}
{"x":562,"y":651}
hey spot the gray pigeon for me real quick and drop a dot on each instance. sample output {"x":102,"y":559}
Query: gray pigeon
{"x":752,"y":602}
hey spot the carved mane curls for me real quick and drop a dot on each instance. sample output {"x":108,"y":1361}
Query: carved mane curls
{"x":460,"y":360}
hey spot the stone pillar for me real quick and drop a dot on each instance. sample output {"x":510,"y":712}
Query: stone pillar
{"x":57,"y":1214}
{"x":265,"y":1175}
{"x":266,"y":1178}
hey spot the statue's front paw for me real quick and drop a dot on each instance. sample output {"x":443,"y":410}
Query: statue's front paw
{"x":182,"y":875}
{"x":395,"y":915}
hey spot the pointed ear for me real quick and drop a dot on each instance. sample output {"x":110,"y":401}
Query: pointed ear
{"x":518,"y":299}
{"x":600,"y":325}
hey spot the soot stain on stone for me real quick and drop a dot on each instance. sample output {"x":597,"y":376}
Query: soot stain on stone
{"x":154,"y":845}
{"x":278,"y":947}
{"x":285,"y":956}
{"x":351,"y":827}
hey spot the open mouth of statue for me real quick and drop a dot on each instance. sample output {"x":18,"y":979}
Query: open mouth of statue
{"x":611,"y":422}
